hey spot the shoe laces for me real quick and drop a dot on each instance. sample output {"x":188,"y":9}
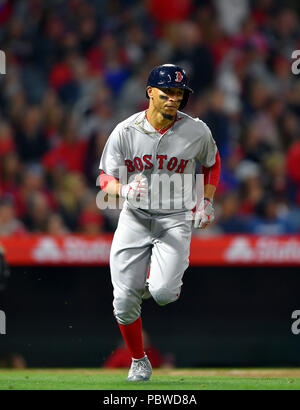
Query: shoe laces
{"x":139,"y":365}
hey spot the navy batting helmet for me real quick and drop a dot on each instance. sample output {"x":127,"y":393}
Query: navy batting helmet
{"x":170,"y":76}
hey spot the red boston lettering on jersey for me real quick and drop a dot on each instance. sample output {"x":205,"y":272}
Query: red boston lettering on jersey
{"x":146,"y":159}
{"x":182,"y":166}
{"x":138,"y":163}
{"x":172,"y":163}
{"x":129,"y":165}
{"x":161,"y":160}
{"x":178,"y":78}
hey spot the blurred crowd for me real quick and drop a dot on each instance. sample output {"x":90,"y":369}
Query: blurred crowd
{"x":75,"y":68}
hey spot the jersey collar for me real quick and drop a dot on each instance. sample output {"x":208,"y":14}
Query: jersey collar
{"x":163,"y":130}
{"x":143,"y":123}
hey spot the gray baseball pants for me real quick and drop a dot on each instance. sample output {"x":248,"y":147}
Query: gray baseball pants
{"x":161,"y":242}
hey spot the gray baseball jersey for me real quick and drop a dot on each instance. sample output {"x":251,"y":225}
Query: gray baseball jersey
{"x":136,"y":144}
{"x":144,"y":238}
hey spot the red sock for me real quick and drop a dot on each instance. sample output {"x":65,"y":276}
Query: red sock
{"x":132,"y":335}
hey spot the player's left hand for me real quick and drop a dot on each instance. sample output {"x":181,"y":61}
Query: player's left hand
{"x":205,"y":214}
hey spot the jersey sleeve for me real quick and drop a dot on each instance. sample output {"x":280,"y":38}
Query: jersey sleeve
{"x":208,"y":148}
{"x":112,"y":156}
{"x":212,"y":174}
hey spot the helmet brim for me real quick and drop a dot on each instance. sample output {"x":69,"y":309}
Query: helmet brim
{"x":186,"y":88}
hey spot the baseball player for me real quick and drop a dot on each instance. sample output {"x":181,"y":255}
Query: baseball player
{"x":151,"y":245}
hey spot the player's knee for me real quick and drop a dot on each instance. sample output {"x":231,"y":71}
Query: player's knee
{"x":126,"y":310}
{"x":163,"y":296}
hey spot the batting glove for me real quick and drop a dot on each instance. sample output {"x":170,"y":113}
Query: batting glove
{"x":205,"y":214}
{"x":137,"y":189}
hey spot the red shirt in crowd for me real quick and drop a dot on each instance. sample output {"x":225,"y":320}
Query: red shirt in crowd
{"x":292,"y":163}
{"x":70,"y":156}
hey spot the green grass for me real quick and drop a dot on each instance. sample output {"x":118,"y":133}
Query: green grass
{"x":171,"y":379}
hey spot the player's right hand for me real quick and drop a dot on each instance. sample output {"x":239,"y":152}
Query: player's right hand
{"x":137,"y":189}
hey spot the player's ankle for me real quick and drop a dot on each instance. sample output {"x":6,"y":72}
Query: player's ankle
{"x":137,"y":360}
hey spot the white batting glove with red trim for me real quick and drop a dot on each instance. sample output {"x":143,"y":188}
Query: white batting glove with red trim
{"x":205,"y":214}
{"x":137,"y":189}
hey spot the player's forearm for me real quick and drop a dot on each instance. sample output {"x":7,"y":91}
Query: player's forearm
{"x":211,"y":178}
{"x":212,"y":174}
{"x":209,"y":191}
{"x":109,"y":184}
{"x":112,"y":188}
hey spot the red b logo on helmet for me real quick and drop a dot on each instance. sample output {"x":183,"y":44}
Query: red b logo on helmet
{"x":178,"y":78}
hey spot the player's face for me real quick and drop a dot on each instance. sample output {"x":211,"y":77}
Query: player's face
{"x":167,"y":100}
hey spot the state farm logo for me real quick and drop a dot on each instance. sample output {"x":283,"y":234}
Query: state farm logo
{"x":263,"y":250}
{"x":47,"y":249}
{"x":239,"y":251}
{"x":71,"y":249}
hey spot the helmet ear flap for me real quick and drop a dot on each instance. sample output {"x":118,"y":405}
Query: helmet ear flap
{"x":184,"y":99}
{"x":147,"y":92}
